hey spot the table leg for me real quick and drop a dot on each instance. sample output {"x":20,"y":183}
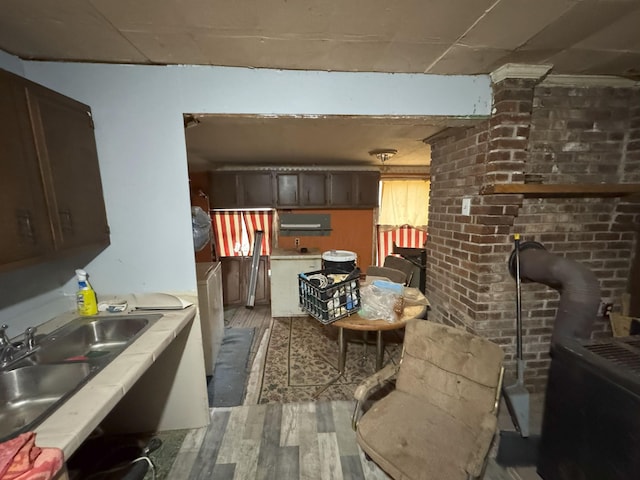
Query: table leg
{"x":342,"y":357}
{"x":379,"y":350}
{"x":342,"y":346}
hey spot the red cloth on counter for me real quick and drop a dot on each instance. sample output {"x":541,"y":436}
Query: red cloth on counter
{"x":21,"y":459}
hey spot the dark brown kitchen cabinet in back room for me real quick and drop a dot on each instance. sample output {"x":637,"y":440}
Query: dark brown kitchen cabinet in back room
{"x":367,"y":188}
{"x":291,"y":189}
{"x":257,"y":189}
{"x":236,"y":273}
{"x":354,"y":189}
{"x":313,"y":189}
{"x":302,"y":189}
{"x":52,"y":201}
{"x":223,"y":190}
{"x":241,"y":190}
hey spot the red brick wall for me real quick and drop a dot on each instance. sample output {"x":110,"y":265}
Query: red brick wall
{"x":566,"y":135}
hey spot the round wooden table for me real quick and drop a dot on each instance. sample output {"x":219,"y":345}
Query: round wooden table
{"x":356,"y":322}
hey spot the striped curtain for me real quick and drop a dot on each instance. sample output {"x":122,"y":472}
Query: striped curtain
{"x":227,"y":228}
{"x":261,"y":220}
{"x":405,"y":236}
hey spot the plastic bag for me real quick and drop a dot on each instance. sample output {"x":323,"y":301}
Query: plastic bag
{"x":378,"y":303}
{"x":201,"y":226}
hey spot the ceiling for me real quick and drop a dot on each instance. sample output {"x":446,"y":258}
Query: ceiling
{"x":413,"y":36}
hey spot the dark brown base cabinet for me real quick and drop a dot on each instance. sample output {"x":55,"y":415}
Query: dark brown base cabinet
{"x":236,"y":272}
{"x":51,"y":200}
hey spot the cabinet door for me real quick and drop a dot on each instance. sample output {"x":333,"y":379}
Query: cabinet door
{"x":236,"y":273}
{"x":287,"y":190}
{"x":313,"y":189}
{"x":341,"y":188}
{"x":223,"y":190}
{"x":63,"y":130}
{"x":263,"y":290}
{"x":231,"y":277}
{"x":26,"y":231}
{"x":367,"y":186}
{"x":257,"y":189}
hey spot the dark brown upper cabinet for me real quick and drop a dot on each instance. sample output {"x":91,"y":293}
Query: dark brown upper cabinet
{"x":367,"y":189}
{"x":287,"y":190}
{"x":354,"y":189}
{"x":301,"y":189}
{"x":292,"y":189}
{"x":313,"y":189}
{"x":52,"y":199}
{"x":26,"y":231}
{"x":241,"y":190}
{"x":66,"y":146}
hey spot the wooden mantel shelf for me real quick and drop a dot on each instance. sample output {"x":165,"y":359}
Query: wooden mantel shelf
{"x":563,"y":189}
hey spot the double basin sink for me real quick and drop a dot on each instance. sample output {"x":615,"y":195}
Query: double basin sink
{"x":35,"y":385}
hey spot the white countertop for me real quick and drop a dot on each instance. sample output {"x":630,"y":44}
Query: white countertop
{"x":69,"y":426}
{"x":287,"y":253}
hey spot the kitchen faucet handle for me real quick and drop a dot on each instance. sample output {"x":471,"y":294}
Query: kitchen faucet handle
{"x":4,"y":339}
{"x":30,"y":338}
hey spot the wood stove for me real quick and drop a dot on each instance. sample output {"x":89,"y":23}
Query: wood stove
{"x":591,"y":423}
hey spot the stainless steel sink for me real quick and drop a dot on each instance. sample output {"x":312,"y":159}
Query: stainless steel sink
{"x":26,"y":393}
{"x":91,"y":339}
{"x":33,"y":386}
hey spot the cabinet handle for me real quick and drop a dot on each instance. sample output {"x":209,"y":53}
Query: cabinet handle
{"x":25,"y":227}
{"x":66,"y":221}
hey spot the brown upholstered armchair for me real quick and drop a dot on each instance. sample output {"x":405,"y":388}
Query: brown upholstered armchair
{"x":439,"y":421}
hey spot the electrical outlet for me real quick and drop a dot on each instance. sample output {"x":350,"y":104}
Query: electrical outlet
{"x":605,"y":309}
{"x":466,"y":206}
{"x":296,"y":242}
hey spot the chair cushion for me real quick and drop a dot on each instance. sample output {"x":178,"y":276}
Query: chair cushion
{"x":414,"y":440}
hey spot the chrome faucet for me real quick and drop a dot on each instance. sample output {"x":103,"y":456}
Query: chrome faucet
{"x":10,"y":351}
{"x":7,"y":349}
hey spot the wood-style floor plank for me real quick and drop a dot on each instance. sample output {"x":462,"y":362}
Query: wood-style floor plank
{"x":188,"y":453}
{"x":207,"y":457}
{"x":330,"y":467}
{"x":309,"y":448}
{"x":270,"y":442}
{"x":299,"y":441}
{"x":324,"y":415}
{"x":233,"y":436}
{"x":351,"y":467}
{"x":345,"y":434}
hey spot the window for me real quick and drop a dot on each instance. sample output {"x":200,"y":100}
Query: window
{"x":403,"y":216}
{"x":234,"y":231}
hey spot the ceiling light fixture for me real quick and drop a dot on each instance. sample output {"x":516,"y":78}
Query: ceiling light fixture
{"x":383,"y":154}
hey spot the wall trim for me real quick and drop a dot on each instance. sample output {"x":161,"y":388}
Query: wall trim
{"x":588,"y":81}
{"x":519,"y":70}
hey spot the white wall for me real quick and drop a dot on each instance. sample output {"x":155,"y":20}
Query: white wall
{"x":140,"y":139}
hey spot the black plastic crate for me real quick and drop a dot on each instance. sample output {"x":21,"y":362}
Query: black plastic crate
{"x":328,"y":302}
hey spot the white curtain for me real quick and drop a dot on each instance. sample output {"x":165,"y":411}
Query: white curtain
{"x":404,"y":202}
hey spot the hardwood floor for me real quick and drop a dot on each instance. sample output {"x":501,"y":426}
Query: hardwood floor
{"x":298,"y":441}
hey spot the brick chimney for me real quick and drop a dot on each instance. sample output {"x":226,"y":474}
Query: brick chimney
{"x":543,"y":128}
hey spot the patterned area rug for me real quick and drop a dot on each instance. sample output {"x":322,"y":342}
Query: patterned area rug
{"x":302,"y":360}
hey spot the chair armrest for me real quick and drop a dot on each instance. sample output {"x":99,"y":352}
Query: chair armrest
{"x":366,"y":388}
{"x":484,"y":436}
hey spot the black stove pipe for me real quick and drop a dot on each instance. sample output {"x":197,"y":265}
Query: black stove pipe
{"x":578,"y":287}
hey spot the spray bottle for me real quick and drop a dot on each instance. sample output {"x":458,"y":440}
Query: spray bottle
{"x":86,"y":299}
